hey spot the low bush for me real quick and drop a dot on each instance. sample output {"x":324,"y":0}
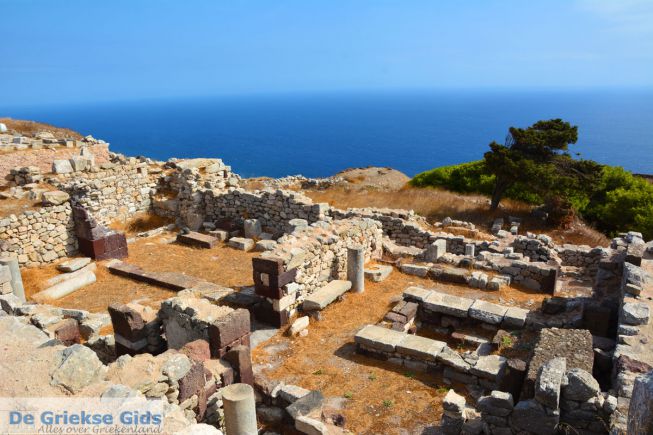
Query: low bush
{"x":619,"y":202}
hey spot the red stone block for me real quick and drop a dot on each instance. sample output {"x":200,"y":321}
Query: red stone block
{"x":228,"y":329}
{"x":67,"y":331}
{"x":240,"y":359}
{"x":197,"y":350}
{"x":192,"y":382}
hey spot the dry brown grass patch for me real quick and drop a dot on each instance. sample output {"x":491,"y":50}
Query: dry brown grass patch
{"x":139,"y":223}
{"x":30,"y":128}
{"x":437,"y":204}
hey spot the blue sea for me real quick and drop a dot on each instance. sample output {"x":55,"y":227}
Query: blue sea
{"x":321,"y":134}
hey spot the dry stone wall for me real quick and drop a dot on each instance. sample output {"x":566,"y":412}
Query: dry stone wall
{"x":112,"y":191}
{"x":274,"y":208}
{"x":319,"y":252}
{"x":40,"y":236}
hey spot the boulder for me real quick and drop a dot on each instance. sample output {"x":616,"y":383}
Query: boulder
{"x":581,"y":386}
{"x":55,"y":197}
{"x":378,"y":272}
{"x":299,"y":325}
{"x":77,"y":367}
{"x":635,"y":313}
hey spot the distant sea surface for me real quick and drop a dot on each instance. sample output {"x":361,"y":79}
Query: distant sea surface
{"x":318,"y":135}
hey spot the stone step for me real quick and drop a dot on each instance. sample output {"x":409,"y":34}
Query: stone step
{"x":198,"y":240}
{"x":319,"y":299}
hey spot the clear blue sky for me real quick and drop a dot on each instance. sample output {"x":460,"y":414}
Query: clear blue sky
{"x":81,"y":50}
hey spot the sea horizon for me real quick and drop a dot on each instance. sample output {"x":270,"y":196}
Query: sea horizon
{"x":319,"y":134}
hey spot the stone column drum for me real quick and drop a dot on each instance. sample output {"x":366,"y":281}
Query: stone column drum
{"x":239,"y":410}
{"x":356,"y":268}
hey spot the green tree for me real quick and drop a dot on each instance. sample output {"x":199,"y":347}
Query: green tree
{"x":535,"y":156}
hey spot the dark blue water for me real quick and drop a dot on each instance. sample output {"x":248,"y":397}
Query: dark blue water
{"x":318,"y":135}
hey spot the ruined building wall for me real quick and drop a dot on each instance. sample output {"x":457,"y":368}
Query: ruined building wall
{"x":40,"y":236}
{"x":273,"y":208}
{"x":114,"y":191}
{"x":320,"y":252}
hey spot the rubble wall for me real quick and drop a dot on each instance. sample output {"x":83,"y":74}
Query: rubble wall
{"x":114,"y":191}
{"x":273,"y":208}
{"x":320,"y":252}
{"x":39,"y":236}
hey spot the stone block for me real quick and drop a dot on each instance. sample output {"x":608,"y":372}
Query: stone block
{"x":62,"y":167}
{"x":306,"y":405}
{"x":416,"y":294}
{"x":241,"y":243}
{"x":487,"y":312}
{"x":415,"y":269}
{"x":549,"y":382}
{"x":252,"y":228}
{"x":515,"y":318}
{"x":228,"y":329}
{"x":489,"y":367}
{"x":420,"y":348}
{"x":379,"y":338}
{"x":378,"y":272}
{"x":635,"y":313}
{"x":322,"y":297}
{"x":447,"y":304}
{"x":67,"y":331}
{"x":580,"y":386}
{"x":240,"y":359}
{"x":435,"y":250}
{"x":197,"y":240}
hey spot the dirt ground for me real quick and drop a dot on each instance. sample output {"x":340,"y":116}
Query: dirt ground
{"x":220,"y":265}
{"x":379,"y":398}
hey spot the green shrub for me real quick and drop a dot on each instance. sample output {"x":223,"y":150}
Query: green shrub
{"x":619,"y":202}
{"x":470,"y":178}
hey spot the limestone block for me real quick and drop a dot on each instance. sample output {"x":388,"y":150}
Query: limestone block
{"x":379,"y":338}
{"x":319,"y":299}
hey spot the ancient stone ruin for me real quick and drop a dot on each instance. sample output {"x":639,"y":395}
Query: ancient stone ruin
{"x":582,"y":319}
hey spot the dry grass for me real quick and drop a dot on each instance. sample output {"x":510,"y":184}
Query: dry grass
{"x":436,"y":204}
{"x":325,"y":360}
{"x":30,"y":128}
{"x":17,"y":206}
{"x":221,"y":265}
{"x":139,"y":223}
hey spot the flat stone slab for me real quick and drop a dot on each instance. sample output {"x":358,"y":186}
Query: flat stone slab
{"x":489,"y":367}
{"x":171,"y":280}
{"x":378,"y":272}
{"x":448,"y":304}
{"x":487,"y":312}
{"x":322,"y":297}
{"x":73,"y":264}
{"x":418,"y":294}
{"x":198,"y":240}
{"x":241,"y":243}
{"x":420,"y":348}
{"x":377,"y":337}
